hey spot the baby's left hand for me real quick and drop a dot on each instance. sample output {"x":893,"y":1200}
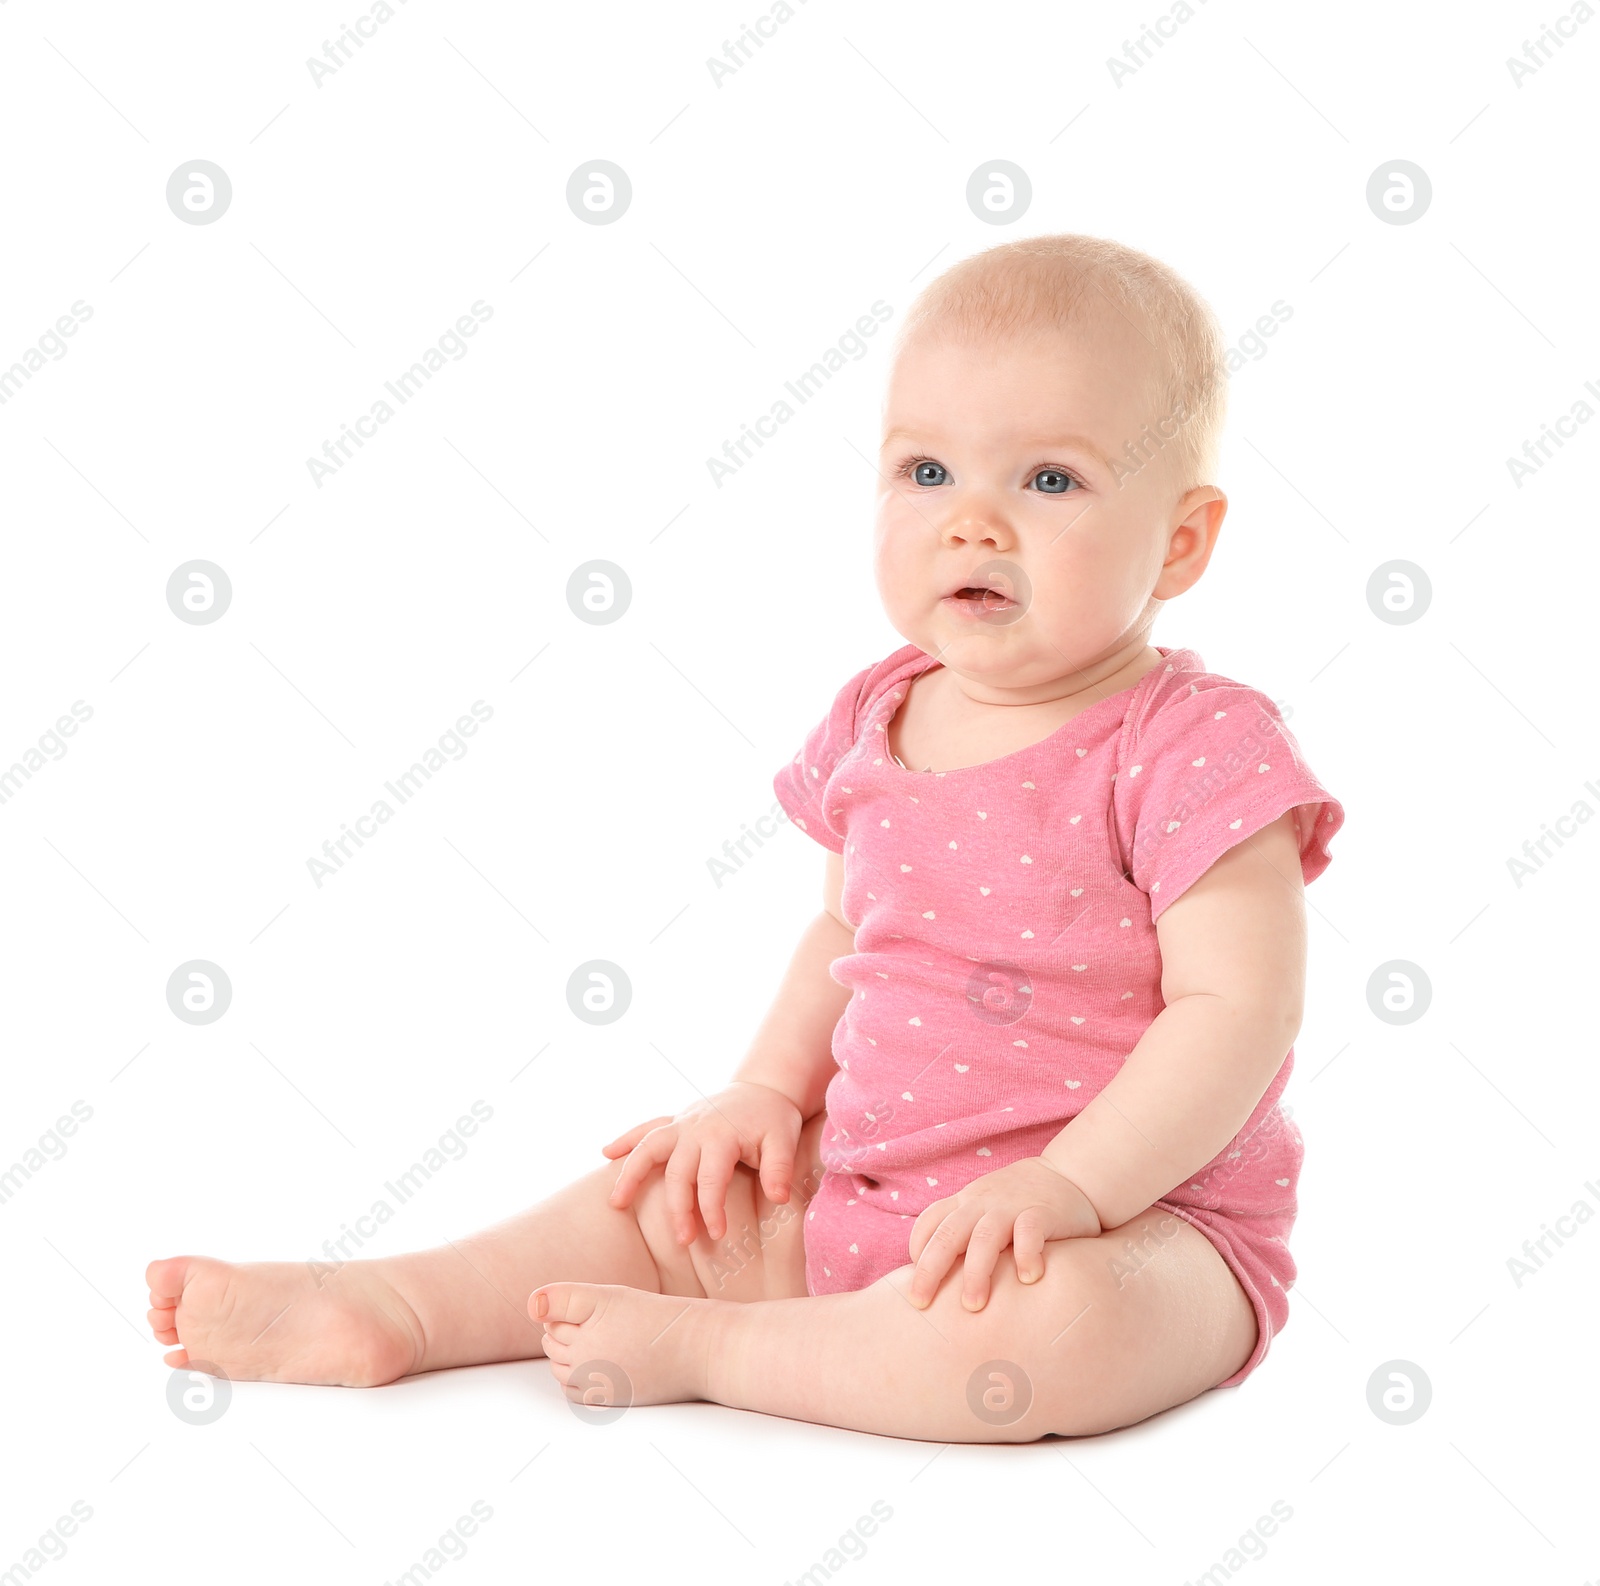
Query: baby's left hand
{"x":1021,"y":1205}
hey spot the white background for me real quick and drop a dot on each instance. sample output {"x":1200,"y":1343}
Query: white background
{"x":768,"y":214}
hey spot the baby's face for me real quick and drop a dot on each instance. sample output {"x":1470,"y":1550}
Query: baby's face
{"x":996,"y":467}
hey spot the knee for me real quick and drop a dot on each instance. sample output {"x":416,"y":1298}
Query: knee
{"x":1065,"y":1335}
{"x":1028,"y":1364}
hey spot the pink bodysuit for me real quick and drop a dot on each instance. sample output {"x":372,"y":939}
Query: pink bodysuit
{"x":1006,"y":959}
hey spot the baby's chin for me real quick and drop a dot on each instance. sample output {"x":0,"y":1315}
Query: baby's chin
{"x":998,"y":652}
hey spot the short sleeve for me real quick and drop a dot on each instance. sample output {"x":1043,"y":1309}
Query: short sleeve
{"x":801,"y":784}
{"x":1210,"y":767}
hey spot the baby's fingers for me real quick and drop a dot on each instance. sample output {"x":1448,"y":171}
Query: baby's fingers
{"x":777,"y":1166}
{"x":624,"y":1143}
{"x":946,"y":1242}
{"x":930,"y":1217}
{"x":682,"y":1172}
{"x":984,"y":1245}
{"x":1027,"y":1244}
{"x":656,"y":1147}
{"x":716,"y":1169}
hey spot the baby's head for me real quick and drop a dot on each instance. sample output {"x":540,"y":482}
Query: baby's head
{"x":1050,"y":430}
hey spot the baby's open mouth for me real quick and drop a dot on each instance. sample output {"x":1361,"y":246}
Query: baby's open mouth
{"x":979,"y":597}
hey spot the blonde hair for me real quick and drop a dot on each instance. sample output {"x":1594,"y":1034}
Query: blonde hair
{"x":1061,"y":281}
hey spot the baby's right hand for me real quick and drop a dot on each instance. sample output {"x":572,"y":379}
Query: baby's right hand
{"x":746,"y":1123}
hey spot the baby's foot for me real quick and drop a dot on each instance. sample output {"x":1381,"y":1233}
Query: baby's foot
{"x":660,"y":1342}
{"x":279,"y":1322}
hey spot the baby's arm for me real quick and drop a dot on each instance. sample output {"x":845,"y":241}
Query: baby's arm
{"x":1233,"y":951}
{"x":758,"y":1117}
{"x":792,"y":1052}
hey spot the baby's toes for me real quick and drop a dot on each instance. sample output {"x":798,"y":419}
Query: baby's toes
{"x":163,"y":1323}
{"x":166,"y":1279}
{"x":558,"y":1348}
{"x":564,"y":1302}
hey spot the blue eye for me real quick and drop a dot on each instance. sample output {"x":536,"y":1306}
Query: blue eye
{"x":926,"y":472}
{"x":1053,"y":481}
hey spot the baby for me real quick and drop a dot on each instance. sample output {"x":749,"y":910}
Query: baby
{"x":1006,"y":1158}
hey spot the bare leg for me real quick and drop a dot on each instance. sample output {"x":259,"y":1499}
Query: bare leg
{"x":465,"y":1303}
{"x":1077,"y":1352}
{"x":471,"y":1295}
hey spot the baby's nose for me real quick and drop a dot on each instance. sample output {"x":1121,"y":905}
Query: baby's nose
{"x":975,"y":533}
{"x":976,"y":529}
